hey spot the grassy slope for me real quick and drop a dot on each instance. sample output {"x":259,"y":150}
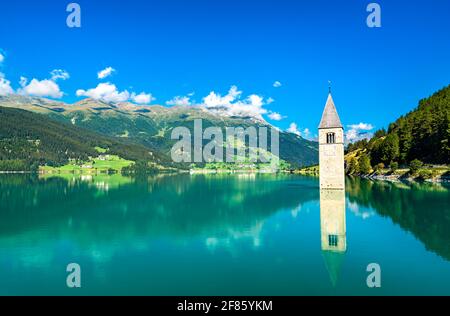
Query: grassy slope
{"x":33,"y":137}
{"x":95,"y":165}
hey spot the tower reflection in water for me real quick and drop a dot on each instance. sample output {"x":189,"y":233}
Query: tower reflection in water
{"x":333,"y":230}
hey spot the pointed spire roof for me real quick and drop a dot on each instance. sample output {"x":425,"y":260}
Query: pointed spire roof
{"x":330,"y":117}
{"x":333,"y":263}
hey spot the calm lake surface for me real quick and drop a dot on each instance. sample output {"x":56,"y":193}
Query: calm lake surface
{"x":221,"y":235}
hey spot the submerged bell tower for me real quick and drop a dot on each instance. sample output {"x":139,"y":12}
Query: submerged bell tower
{"x":332,"y":189}
{"x":331,"y":148}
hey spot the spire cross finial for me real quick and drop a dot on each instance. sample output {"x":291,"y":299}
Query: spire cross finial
{"x":329,"y":86}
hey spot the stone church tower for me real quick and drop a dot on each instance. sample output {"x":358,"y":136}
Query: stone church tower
{"x":333,"y":231}
{"x":331,"y":149}
{"x":332,"y":190}
{"x":332,"y":220}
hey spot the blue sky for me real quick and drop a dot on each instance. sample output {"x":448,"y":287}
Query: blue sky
{"x":189,"y":48}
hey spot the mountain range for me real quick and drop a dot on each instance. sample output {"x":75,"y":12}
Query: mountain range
{"x":138,"y":127}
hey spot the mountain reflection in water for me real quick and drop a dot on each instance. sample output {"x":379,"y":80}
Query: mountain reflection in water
{"x":220,"y":235}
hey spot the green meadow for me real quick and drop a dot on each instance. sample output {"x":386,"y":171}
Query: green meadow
{"x":101,"y":164}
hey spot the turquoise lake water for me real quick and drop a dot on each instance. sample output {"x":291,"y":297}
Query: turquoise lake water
{"x":221,"y":235}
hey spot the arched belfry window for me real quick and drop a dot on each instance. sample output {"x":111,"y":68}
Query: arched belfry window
{"x":331,"y":138}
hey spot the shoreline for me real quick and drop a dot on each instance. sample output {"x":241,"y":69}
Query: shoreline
{"x":401,"y":178}
{"x":388,"y":178}
{"x":237,"y":171}
{"x":191,"y":171}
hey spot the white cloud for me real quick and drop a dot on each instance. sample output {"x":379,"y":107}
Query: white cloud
{"x":306,"y":133}
{"x":361,"y":126}
{"x":293,"y":128}
{"x":358,"y":132}
{"x":179,"y":101}
{"x":255,"y":100}
{"x":59,"y":74}
{"x":270,"y":101}
{"x":277,"y":84}
{"x":276,"y":116}
{"x":23,"y":81}
{"x":105,"y":72}
{"x":106,"y":92}
{"x":216,"y":100}
{"x":5,"y":86}
{"x":142,"y":98}
{"x":364,"y":214}
{"x":232,"y":105}
{"x":40,"y":88}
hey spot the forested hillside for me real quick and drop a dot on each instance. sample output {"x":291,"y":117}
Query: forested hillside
{"x":421,"y":136}
{"x":28,"y":140}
